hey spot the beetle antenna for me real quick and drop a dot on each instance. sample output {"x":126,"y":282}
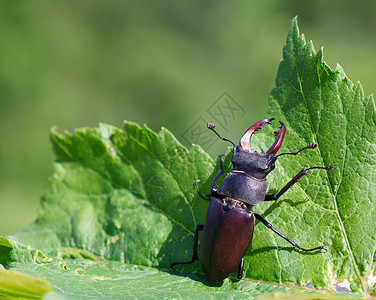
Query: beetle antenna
{"x":309,"y":146}
{"x":211,"y":126}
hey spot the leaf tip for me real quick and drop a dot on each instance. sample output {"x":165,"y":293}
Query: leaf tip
{"x":320,"y":55}
{"x":294,"y":40}
{"x":294,"y":21}
{"x":294,"y":28}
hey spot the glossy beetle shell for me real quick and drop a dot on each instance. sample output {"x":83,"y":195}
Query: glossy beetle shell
{"x":227,"y":233}
{"x":243,"y":187}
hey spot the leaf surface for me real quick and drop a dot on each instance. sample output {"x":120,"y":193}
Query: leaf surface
{"x":110,"y":279}
{"x":322,"y":105}
{"x":125,"y":195}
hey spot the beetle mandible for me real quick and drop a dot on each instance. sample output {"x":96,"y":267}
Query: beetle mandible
{"x":230,"y":222}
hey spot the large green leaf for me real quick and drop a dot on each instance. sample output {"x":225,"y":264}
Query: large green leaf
{"x":122,"y":207}
{"x":125,"y":195}
{"x":322,"y":105}
{"x":105,"y":279}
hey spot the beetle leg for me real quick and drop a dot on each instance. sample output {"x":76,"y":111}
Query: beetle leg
{"x":199,"y":227}
{"x":240,"y":270}
{"x":270,"y":226}
{"x":213,"y":189}
{"x":198,"y":192}
{"x":303,"y":172}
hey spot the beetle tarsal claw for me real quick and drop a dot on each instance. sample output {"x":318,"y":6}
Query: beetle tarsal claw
{"x":311,"y":145}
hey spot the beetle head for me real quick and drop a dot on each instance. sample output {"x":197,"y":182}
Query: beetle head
{"x":257,"y":164}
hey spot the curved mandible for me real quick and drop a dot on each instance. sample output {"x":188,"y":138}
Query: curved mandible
{"x":245,"y":141}
{"x":278,"y":140}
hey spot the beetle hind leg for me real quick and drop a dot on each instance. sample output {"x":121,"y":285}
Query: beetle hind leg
{"x":270,"y":226}
{"x":199,"y":227}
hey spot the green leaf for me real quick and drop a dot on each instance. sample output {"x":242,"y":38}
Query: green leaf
{"x":13,"y":251}
{"x":110,"y":278}
{"x":322,"y":105}
{"x":105,"y":279}
{"x":14,"y":285}
{"x":122,"y":207}
{"x":125,"y":195}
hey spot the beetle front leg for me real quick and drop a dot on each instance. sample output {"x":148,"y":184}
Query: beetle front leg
{"x":199,"y":227}
{"x":213,"y":189}
{"x":198,"y":192}
{"x":270,"y":226}
{"x":303,"y":172}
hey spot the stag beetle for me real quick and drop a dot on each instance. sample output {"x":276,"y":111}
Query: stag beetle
{"x":230,"y":222}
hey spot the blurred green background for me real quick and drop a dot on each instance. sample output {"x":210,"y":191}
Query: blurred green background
{"x":72,"y":64}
